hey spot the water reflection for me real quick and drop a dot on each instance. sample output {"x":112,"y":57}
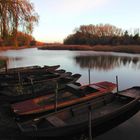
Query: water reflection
{"x":7,"y":61}
{"x":104,"y":66}
{"x":107,"y":62}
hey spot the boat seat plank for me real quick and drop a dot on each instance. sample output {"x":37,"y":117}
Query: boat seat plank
{"x":55,"y":121}
{"x":75,"y":90}
{"x":131,"y":93}
{"x":73,"y":86}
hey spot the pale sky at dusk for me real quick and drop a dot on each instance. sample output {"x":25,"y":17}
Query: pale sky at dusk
{"x":59,"y":18}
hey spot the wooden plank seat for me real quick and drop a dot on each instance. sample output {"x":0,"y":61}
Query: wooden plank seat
{"x":55,"y":121}
{"x":75,"y":90}
{"x":73,"y":86}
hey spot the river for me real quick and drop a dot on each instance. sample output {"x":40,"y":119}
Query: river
{"x":103,"y":66}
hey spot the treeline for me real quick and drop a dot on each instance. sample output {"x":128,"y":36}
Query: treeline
{"x":103,"y":35}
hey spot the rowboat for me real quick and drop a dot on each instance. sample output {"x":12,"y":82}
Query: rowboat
{"x":67,"y":80}
{"x":32,"y":84}
{"x":22,"y":77}
{"x":34,"y":79}
{"x":96,"y":113}
{"x":24,"y":73}
{"x":28,"y":69}
{"x":70,"y":95}
{"x":32,"y":92}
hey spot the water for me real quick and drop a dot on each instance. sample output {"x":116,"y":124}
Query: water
{"x":103,"y":66}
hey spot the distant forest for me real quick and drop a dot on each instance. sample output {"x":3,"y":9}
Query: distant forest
{"x":102,"y":35}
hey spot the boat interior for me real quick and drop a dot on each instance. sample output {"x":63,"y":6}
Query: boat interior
{"x":98,"y":107}
{"x":72,"y":92}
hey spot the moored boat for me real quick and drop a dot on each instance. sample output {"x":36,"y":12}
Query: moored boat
{"x":24,"y":77}
{"x":35,"y":79}
{"x":75,"y":119}
{"x":39,"y":90}
{"x":70,"y":95}
{"x":23,"y":74}
{"x":28,"y":69}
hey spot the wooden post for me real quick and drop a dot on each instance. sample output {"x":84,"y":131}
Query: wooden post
{"x":6,"y":69}
{"x":117,"y":84}
{"x":56,"y":92}
{"x":19,"y":78}
{"x":89,"y":75}
{"x":32,"y":84}
{"x":90,"y":125}
{"x":20,"y":82}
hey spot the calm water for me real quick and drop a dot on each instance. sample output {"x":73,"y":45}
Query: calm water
{"x":103,"y":66}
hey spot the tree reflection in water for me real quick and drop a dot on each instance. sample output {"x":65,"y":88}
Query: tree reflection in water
{"x":107,"y":62}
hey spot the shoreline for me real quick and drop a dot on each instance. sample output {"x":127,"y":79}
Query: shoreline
{"x":134,"y":49}
{"x":6,"y":48}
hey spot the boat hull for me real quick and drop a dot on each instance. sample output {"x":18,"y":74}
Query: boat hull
{"x":68,"y":97}
{"x":98,"y":125}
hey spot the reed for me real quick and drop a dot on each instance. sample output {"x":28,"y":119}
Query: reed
{"x":106,"y":48}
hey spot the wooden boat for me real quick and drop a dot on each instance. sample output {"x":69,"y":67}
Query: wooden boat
{"x":17,"y":69}
{"x":23,"y":73}
{"x":75,"y":119}
{"x":29,"y":69}
{"x":70,"y":95}
{"x":32,"y":85}
{"x":70,"y":79}
{"x":43,"y":90}
{"x":34,"y":79}
{"x":22,"y":77}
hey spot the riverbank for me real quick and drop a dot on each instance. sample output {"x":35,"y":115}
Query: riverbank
{"x":16,"y":48}
{"x":106,"y":48}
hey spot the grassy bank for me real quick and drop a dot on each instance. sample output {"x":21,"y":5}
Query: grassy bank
{"x":120,"y":48}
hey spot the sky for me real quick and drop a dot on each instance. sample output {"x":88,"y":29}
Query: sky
{"x":59,"y":18}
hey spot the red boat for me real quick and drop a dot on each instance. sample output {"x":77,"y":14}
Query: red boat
{"x":70,"y":95}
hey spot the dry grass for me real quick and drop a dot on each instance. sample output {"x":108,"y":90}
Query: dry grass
{"x":107,"y":48}
{"x":15,"y":48}
{"x":66,"y":47}
{"x":120,"y":48}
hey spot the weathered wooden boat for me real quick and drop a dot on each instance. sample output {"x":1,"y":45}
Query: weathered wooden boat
{"x":17,"y":69}
{"x":75,"y":119}
{"x":29,"y":69}
{"x":28,"y":72}
{"x":19,"y":77}
{"x":33,"y":79}
{"x":70,"y":79}
{"x":24,"y":77}
{"x":70,"y":95}
{"x":32,"y":84}
{"x":34,"y":92}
